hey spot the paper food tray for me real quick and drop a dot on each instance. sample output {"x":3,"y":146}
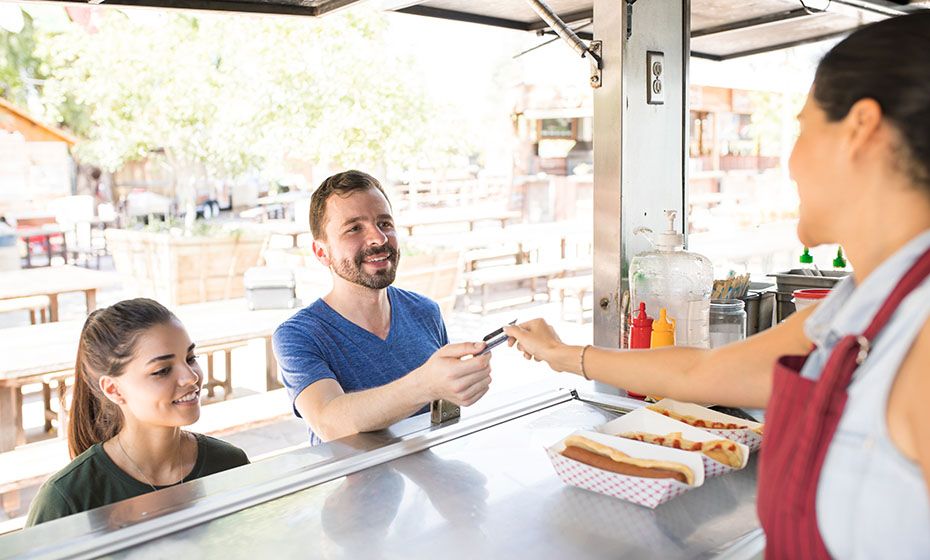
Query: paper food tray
{"x":645,"y":420}
{"x":745,"y":436}
{"x":649,"y":492}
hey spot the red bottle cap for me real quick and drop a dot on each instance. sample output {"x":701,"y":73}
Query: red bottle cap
{"x":641,"y":320}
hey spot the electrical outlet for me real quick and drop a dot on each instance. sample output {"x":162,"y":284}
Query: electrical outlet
{"x":655,"y":78}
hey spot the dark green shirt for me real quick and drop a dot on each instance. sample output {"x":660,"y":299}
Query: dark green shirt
{"x":93,"y":480}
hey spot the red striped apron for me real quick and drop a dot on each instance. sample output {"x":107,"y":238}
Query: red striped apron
{"x":801,"y":420}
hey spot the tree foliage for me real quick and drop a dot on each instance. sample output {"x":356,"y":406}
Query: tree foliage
{"x":237,"y":93}
{"x":19,"y":65}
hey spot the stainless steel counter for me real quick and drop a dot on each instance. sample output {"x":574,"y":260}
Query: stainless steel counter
{"x":482,"y":487}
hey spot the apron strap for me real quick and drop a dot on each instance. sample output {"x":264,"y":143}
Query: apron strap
{"x":852,"y":350}
{"x":913,"y":278}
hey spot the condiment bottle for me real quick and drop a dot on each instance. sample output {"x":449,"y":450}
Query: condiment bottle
{"x":663,"y":334}
{"x":663,"y":331}
{"x":807,"y":262}
{"x":641,"y":333}
{"x":839,"y":263}
{"x":640,"y":336}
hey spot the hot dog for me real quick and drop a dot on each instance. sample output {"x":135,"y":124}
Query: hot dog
{"x":600,"y":456}
{"x":721,"y":450}
{"x":698,"y":422}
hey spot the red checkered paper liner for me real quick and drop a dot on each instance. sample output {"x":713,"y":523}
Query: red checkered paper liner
{"x":747,"y":436}
{"x":651,"y":422}
{"x":649,"y":492}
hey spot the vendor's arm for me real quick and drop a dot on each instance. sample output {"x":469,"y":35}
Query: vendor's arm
{"x":738,"y":374}
{"x":333,"y":413}
{"x":908,"y":414}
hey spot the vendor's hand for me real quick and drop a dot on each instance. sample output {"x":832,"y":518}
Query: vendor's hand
{"x":539,"y":341}
{"x":446,"y":375}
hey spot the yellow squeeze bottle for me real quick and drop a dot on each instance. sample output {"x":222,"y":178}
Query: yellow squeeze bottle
{"x":663,"y":331}
{"x":663,"y":334}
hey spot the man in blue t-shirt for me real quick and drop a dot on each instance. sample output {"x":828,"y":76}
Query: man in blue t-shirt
{"x":368,"y":354}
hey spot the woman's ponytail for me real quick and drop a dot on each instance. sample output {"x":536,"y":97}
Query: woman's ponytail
{"x":107,"y":344}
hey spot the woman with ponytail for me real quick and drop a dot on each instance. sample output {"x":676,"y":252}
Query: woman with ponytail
{"x":136,"y":383}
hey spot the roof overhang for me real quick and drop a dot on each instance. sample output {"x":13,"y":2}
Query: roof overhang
{"x":720,"y":29}
{"x":31,"y":127}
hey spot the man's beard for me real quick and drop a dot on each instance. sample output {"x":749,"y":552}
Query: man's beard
{"x":353,"y":271}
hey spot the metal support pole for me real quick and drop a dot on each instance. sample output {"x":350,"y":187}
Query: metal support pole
{"x":639,"y":147}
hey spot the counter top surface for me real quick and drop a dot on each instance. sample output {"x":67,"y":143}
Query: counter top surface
{"x":480,"y":490}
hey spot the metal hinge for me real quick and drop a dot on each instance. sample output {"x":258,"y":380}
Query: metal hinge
{"x":442,"y":411}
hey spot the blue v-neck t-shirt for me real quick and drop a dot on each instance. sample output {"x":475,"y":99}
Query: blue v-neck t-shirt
{"x":319,"y":343}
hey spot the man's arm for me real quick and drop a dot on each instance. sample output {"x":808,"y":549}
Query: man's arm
{"x":333,"y":413}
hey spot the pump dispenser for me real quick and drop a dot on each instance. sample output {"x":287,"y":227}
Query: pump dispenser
{"x":670,"y":239}
{"x":679,"y":281}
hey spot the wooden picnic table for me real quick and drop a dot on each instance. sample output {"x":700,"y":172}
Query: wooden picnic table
{"x":281,"y":206}
{"x":285,"y":228}
{"x":523,"y":237}
{"x":33,"y":353}
{"x":52,"y":281}
{"x":45,"y":233}
{"x":451,"y":216}
{"x":485,"y":277}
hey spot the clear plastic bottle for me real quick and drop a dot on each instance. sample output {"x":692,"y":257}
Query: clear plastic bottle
{"x":678,"y":280}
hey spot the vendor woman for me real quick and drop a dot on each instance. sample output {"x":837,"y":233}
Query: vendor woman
{"x":845,"y":461}
{"x":136,"y":384}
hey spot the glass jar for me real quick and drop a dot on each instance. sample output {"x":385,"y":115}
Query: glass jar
{"x":727,"y":321}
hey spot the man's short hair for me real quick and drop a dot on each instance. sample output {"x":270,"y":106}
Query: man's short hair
{"x":341,"y":184}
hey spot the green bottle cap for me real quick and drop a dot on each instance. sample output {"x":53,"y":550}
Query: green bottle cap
{"x":839,"y":261}
{"x":806,"y":257}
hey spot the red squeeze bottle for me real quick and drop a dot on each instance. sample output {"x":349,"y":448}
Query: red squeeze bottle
{"x":640,"y":335}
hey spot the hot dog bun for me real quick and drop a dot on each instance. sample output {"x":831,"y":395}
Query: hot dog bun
{"x":698,"y":422}
{"x":724,"y":451}
{"x":600,"y":456}
{"x":721,"y":450}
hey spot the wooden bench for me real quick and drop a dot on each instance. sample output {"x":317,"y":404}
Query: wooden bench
{"x":57,"y":417}
{"x":494,"y":256}
{"x":574,"y":286}
{"x":211,"y":382}
{"x":533,"y":272}
{"x":33,"y":304}
{"x":44,"y":354}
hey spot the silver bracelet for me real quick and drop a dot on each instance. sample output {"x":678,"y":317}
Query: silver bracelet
{"x":583,"y":350}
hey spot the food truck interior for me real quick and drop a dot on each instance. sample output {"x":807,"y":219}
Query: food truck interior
{"x":481,"y":485}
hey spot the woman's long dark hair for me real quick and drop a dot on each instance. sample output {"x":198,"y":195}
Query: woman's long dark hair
{"x":107,"y":344}
{"x":889,"y":62}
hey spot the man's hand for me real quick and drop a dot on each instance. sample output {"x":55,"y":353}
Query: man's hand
{"x":446,"y":375}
